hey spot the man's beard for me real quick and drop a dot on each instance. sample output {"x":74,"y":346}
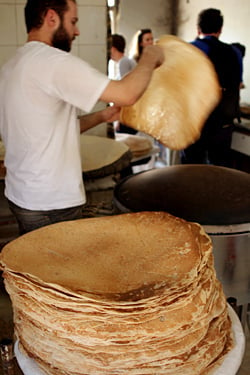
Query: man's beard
{"x":61,"y":39}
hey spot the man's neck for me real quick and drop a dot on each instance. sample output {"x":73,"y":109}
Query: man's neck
{"x":38,"y":36}
{"x":118,"y":56}
{"x":203,"y":35}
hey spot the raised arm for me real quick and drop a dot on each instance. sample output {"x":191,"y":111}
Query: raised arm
{"x":129,"y":89}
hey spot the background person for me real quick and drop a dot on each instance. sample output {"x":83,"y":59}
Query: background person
{"x":117,"y":54}
{"x":214,"y":145}
{"x":122,"y":67}
{"x":143,"y":38}
{"x":41,"y":88}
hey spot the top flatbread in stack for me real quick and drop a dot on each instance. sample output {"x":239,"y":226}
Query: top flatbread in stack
{"x":111,"y":255}
{"x":138,"y":145}
{"x":125,"y":294}
{"x":182,"y":93}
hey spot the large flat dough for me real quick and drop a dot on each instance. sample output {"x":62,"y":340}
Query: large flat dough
{"x":182,"y":93}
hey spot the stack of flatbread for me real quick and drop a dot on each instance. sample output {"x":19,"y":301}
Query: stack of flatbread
{"x":127,"y":294}
{"x":138,"y":145}
{"x":103,"y":156}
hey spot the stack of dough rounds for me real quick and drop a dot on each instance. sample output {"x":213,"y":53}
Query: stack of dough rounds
{"x":126,"y":294}
{"x":103,"y":156}
{"x":182,"y":93}
{"x":138,"y":145}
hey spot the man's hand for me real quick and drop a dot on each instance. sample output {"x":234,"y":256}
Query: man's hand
{"x":153,"y":54}
{"x":111,"y":114}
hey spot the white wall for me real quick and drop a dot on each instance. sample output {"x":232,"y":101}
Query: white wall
{"x":90,"y":45}
{"x":143,"y":14}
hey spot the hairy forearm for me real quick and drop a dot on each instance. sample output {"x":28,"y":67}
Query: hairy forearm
{"x":108,"y":114}
{"x":90,"y":120}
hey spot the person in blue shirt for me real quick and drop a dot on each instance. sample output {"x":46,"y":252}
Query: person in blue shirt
{"x":214,"y":145}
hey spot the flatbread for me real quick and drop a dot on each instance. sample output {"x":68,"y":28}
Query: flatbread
{"x":137,"y":144}
{"x":182,"y":93}
{"x":127,"y":294}
{"x":98,"y":152}
{"x":87,"y":256}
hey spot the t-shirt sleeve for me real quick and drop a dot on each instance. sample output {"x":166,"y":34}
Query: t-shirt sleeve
{"x":125,"y":66}
{"x":77,"y":82}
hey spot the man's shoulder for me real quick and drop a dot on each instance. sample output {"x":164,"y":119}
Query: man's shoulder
{"x":219,"y":52}
{"x":126,"y":59}
{"x":211,"y":41}
{"x":126,"y":64}
{"x":225,"y":46}
{"x":213,"y":44}
{"x":201,"y":44}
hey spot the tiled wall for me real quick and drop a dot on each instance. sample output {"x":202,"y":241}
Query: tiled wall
{"x":12,"y":31}
{"x":90,"y":45}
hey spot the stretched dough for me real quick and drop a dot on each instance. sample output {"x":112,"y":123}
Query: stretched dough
{"x":182,"y":93}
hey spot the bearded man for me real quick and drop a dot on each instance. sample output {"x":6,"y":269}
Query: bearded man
{"x":41,"y":88}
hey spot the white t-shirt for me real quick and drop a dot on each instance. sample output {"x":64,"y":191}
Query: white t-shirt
{"x":40,"y":89}
{"x":125,"y":66}
{"x":118,"y":69}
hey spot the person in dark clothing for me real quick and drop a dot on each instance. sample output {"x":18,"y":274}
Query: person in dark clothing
{"x":214,"y":145}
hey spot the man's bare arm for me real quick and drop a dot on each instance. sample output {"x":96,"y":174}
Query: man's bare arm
{"x":129,"y":89}
{"x":90,"y":120}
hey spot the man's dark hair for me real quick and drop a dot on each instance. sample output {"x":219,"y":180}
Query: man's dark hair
{"x":118,"y":41}
{"x":35,"y":11}
{"x":210,"y":21}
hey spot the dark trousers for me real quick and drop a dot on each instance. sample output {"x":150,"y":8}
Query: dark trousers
{"x":29,"y":220}
{"x":211,"y":149}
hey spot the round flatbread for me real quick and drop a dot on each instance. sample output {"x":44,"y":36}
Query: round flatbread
{"x":182,"y":93}
{"x":88,"y":256}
